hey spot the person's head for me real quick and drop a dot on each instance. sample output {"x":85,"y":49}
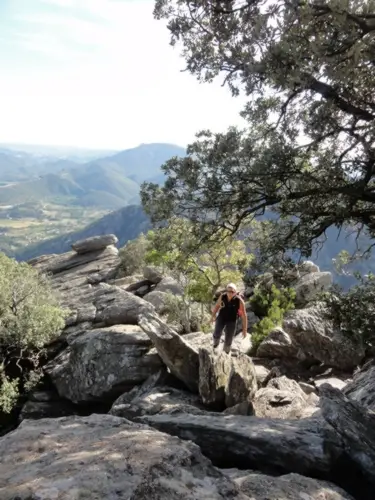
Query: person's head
{"x":231,"y":288}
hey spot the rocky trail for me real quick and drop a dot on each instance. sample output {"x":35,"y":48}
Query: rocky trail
{"x":133,"y":408}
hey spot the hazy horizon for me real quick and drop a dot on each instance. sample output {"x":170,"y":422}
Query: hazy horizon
{"x":99,"y":75}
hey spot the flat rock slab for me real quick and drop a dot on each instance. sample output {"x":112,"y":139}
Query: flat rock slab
{"x":94,"y":243}
{"x":307,"y":446}
{"x":103,"y":457}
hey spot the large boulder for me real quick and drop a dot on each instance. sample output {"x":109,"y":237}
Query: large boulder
{"x":160,"y":300}
{"x":153,"y":274}
{"x":308,"y":333}
{"x":105,"y":457}
{"x":277,"y":344}
{"x":213,"y":377}
{"x":226,"y":381}
{"x":72,"y":277}
{"x":284,"y":398}
{"x":94,"y":243}
{"x":289,"y":487}
{"x":242,"y":381}
{"x":116,"y":306}
{"x":310,"y":285}
{"x":274,"y":446}
{"x":103,"y":363}
{"x":179,"y":356}
{"x":169,"y":285}
{"x":362,"y":387}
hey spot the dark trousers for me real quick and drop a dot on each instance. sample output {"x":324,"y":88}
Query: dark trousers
{"x":229,"y":328}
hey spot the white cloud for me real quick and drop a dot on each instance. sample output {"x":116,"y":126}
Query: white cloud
{"x":103,"y":74}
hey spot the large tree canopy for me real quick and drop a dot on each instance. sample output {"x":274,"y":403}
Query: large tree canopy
{"x":308,"y":69}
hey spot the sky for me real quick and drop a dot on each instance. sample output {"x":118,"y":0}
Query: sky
{"x":99,"y":74}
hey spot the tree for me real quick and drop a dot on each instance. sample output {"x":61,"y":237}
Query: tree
{"x":307,"y":160}
{"x":30,"y":317}
{"x":174,"y":246}
{"x":353,"y":311}
{"x":200,"y":272}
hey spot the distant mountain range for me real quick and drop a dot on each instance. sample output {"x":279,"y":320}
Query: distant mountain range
{"x":112,"y":183}
{"x":109,"y":182}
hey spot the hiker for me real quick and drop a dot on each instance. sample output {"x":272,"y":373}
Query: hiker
{"x":230,"y":305}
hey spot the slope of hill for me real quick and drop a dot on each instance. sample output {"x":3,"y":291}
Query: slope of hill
{"x":105,"y":177}
{"x":144,"y":162}
{"x":126,"y":223}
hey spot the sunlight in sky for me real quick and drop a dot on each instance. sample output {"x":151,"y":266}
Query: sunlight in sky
{"x":100,"y":74}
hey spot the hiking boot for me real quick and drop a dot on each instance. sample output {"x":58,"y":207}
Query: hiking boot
{"x":227,"y":350}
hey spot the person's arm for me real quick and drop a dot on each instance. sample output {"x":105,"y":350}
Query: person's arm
{"x":244,"y":317}
{"x":216,"y":307}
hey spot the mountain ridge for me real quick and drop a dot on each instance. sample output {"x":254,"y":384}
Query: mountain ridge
{"x":109,"y":182}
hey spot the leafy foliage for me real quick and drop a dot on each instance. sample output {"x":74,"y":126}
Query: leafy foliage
{"x":29,"y":318}
{"x":271,"y":304}
{"x":205,"y":270}
{"x":354,"y":311}
{"x":308,"y":158}
{"x":193,"y":316}
{"x":133,"y":255}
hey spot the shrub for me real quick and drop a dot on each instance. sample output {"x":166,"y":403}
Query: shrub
{"x":353,"y":311}
{"x":30,"y":317}
{"x":270,"y":304}
{"x":132,"y":256}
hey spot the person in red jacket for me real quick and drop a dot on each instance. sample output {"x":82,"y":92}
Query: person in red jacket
{"x":225,"y":315}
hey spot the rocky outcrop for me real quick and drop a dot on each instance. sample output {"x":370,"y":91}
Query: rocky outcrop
{"x":105,"y":457}
{"x":288,"y":487}
{"x":362,"y":387}
{"x":94,"y":243}
{"x":116,"y":351}
{"x":103,"y":363}
{"x":307,"y":333}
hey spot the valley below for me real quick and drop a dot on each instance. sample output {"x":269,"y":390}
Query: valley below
{"x":45,"y":196}
{"x":29,"y":224}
